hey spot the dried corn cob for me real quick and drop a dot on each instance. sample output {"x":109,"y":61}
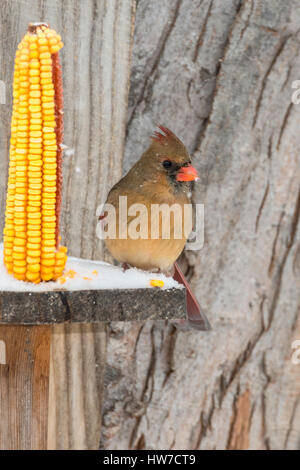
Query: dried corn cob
{"x":31,"y":233}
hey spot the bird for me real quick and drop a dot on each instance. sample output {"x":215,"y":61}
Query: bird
{"x":162,"y":176}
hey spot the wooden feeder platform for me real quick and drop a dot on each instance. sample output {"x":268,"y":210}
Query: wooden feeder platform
{"x":91,"y":306}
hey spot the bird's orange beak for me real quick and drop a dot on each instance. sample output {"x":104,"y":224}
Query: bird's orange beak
{"x":187,"y":173}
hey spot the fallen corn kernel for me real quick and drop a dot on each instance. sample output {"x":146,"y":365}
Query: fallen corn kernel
{"x":157,"y":283}
{"x":71,"y":274}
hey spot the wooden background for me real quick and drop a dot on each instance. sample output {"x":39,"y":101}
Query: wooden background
{"x":219,"y":74}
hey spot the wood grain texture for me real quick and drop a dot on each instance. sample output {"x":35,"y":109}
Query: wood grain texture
{"x":24,"y":387}
{"x":76,"y":381}
{"x":96,"y":65}
{"x":219,"y":74}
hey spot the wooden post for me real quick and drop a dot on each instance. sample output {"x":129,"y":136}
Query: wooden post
{"x":24,"y":387}
{"x":76,"y":379}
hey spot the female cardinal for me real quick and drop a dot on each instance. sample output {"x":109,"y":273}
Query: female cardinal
{"x":162,"y":176}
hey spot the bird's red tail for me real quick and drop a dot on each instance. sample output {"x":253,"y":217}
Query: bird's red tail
{"x":195,"y":318}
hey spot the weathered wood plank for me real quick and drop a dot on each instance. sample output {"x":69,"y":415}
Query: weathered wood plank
{"x":93,"y":306}
{"x":24,"y":387}
{"x":76,"y":382}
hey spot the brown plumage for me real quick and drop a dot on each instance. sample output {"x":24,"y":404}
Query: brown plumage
{"x":161,"y":176}
{"x":148,"y":182}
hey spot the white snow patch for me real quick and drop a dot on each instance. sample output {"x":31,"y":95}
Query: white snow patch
{"x":68,"y":151}
{"x":100,"y":276}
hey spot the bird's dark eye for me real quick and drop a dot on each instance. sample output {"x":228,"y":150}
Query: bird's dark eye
{"x":167,"y":164}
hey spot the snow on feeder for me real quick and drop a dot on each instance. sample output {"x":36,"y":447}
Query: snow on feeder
{"x":31,"y":233}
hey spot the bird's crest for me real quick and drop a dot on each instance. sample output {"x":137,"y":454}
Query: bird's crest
{"x":165,"y":138}
{"x":166,"y":144}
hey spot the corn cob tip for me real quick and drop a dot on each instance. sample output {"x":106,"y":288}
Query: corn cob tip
{"x":33,"y":27}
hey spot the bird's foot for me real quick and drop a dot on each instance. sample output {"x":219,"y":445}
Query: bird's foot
{"x":168,"y":273}
{"x":125,"y":266}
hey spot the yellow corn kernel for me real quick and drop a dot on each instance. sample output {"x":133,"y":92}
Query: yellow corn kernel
{"x":47,"y":249}
{"x":48,"y":262}
{"x":20,"y":231}
{"x":50,"y":242}
{"x":32,"y":260}
{"x":156,"y":283}
{"x":19,"y":242}
{"x":19,"y":269}
{"x":55,"y":48}
{"x":46,"y":269}
{"x":58,"y":270}
{"x":21,"y":262}
{"x":49,"y":226}
{"x":20,"y":277}
{"x":49,"y":189}
{"x":48,"y":207}
{"x":47,"y":277}
{"x":18,"y":255}
{"x":32,"y":276}
{"x":19,"y":249}
{"x":34,"y":239}
{"x":48,"y":234}
{"x":33,"y":233}
{"x":33,"y":246}
{"x":34,"y":268}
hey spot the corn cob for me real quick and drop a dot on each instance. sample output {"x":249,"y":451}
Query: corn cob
{"x":31,"y":233}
